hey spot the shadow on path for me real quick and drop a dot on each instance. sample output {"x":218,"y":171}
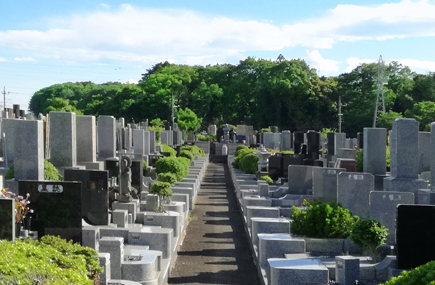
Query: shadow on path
{"x":215,"y":249}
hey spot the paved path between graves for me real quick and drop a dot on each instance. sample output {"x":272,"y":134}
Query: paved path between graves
{"x":215,"y":249}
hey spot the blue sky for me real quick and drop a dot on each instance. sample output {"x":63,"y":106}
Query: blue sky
{"x":47,"y":42}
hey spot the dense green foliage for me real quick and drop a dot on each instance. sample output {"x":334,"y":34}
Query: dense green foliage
{"x":360,"y":160}
{"x":194,"y":149}
{"x":249,"y":163}
{"x":49,"y":261}
{"x":423,"y":274}
{"x":369,"y":234}
{"x":239,"y":148}
{"x":167,"y":177}
{"x":187,"y":120}
{"x":323,"y":220}
{"x":169,"y":149}
{"x":175,"y":165}
{"x":211,"y":138}
{"x":187,"y":154}
{"x":162,"y":189}
{"x":267,"y":179}
{"x":157,"y":126}
{"x":283,"y":93}
{"x":241,"y":153}
{"x":50,"y":172}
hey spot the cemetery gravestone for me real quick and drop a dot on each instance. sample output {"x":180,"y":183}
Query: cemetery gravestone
{"x":353,"y":190}
{"x":415,"y":239}
{"x":7,"y":214}
{"x":95,"y":194}
{"x":325,"y":183}
{"x":57,"y":207}
{"x":86,"y":138}
{"x":424,"y":151}
{"x":375,"y":161}
{"x":286,"y":140}
{"x":383,"y":207}
{"x":106,"y":137}
{"x":298,"y":140}
{"x":404,"y":158}
{"x":29,"y":150}
{"x":300,"y":179}
{"x":63,"y":144}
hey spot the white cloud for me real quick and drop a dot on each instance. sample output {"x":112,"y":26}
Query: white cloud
{"x":24,"y":59}
{"x":3,"y":59}
{"x":322,"y":65}
{"x":104,"y":5}
{"x":412,"y":63}
{"x":131,"y":81}
{"x":132,"y":34}
{"x":353,"y":62}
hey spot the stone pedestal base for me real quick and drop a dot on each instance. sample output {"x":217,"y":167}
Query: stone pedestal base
{"x":405,"y":185}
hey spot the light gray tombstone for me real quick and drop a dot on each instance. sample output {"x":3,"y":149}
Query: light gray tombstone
{"x":404,"y":158}
{"x":29,"y":151}
{"x":383,"y":206}
{"x":353,"y":192}
{"x":63,"y":145}
{"x":300,"y":179}
{"x":139,"y":142}
{"x":325,"y":183}
{"x":164,"y":137}
{"x":375,"y":150}
{"x":212,"y":130}
{"x":347,"y":270}
{"x":106,"y":137}
{"x":147,"y":137}
{"x":86,"y":138}
{"x":114,"y":246}
{"x":424,"y":151}
{"x":339,"y":141}
{"x":152,"y":141}
{"x":286,"y":140}
{"x":9,"y":129}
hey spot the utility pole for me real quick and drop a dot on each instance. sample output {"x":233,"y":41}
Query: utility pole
{"x":339,"y":114}
{"x":4,"y":98}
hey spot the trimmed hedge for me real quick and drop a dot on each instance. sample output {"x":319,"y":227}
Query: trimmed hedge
{"x":194,"y":149}
{"x":187,"y":154}
{"x":322,"y":220}
{"x":167,"y":177}
{"x":249,"y":163}
{"x":179,"y":166}
{"x":51,"y":260}
{"x":267,"y":179}
{"x":50,"y":172}
{"x":169,"y":149}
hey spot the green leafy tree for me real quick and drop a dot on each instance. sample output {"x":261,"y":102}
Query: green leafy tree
{"x":386,"y":120}
{"x":187,"y":120}
{"x":424,"y":113}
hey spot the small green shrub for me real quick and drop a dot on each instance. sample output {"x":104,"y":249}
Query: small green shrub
{"x":172,"y":165}
{"x":239,"y":148}
{"x":241,"y":153}
{"x":51,"y":260}
{"x":185,"y":162}
{"x":388,"y":156}
{"x":11,"y":173}
{"x":212,"y":138}
{"x":263,"y":130}
{"x":369,"y":234}
{"x":322,"y":220}
{"x":169,"y":149}
{"x":162,"y":189}
{"x":249,"y":163}
{"x":50,"y":172}
{"x":145,"y":167}
{"x":187,"y":154}
{"x":167,"y":177}
{"x":194,"y":149}
{"x":267,"y":179}
{"x":202,"y":138}
{"x":360,"y":160}
{"x":423,"y":274}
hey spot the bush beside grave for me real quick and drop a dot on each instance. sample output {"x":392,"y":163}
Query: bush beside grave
{"x":369,"y":234}
{"x":249,"y":163}
{"x":51,"y":260}
{"x":163,"y":190}
{"x":169,"y":149}
{"x":145,"y":167}
{"x":322,"y":220}
{"x":194,"y":149}
{"x":187,"y":154}
{"x":423,"y":274}
{"x":240,"y":154}
{"x":172,"y":165}
{"x":50,"y":172}
{"x":167,"y":177}
{"x":267,"y":179}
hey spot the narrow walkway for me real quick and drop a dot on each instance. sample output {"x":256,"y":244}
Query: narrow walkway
{"x":215,"y":249}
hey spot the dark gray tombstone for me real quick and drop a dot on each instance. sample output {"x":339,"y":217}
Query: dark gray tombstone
{"x":137,"y":174}
{"x":360,"y":139}
{"x":331,"y":143}
{"x":313,"y":145}
{"x":95,"y":194}
{"x":7,"y":214}
{"x":290,"y":159}
{"x":112,"y":165}
{"x":298,"y":141}
{"x":57,"y":207}
{"x":415,"y":236}
{"x":276,"y":167}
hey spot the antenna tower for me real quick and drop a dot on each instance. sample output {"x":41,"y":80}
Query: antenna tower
{"x":380,"y":97}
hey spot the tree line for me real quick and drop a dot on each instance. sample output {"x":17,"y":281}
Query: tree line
{"x":284,"y":93}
